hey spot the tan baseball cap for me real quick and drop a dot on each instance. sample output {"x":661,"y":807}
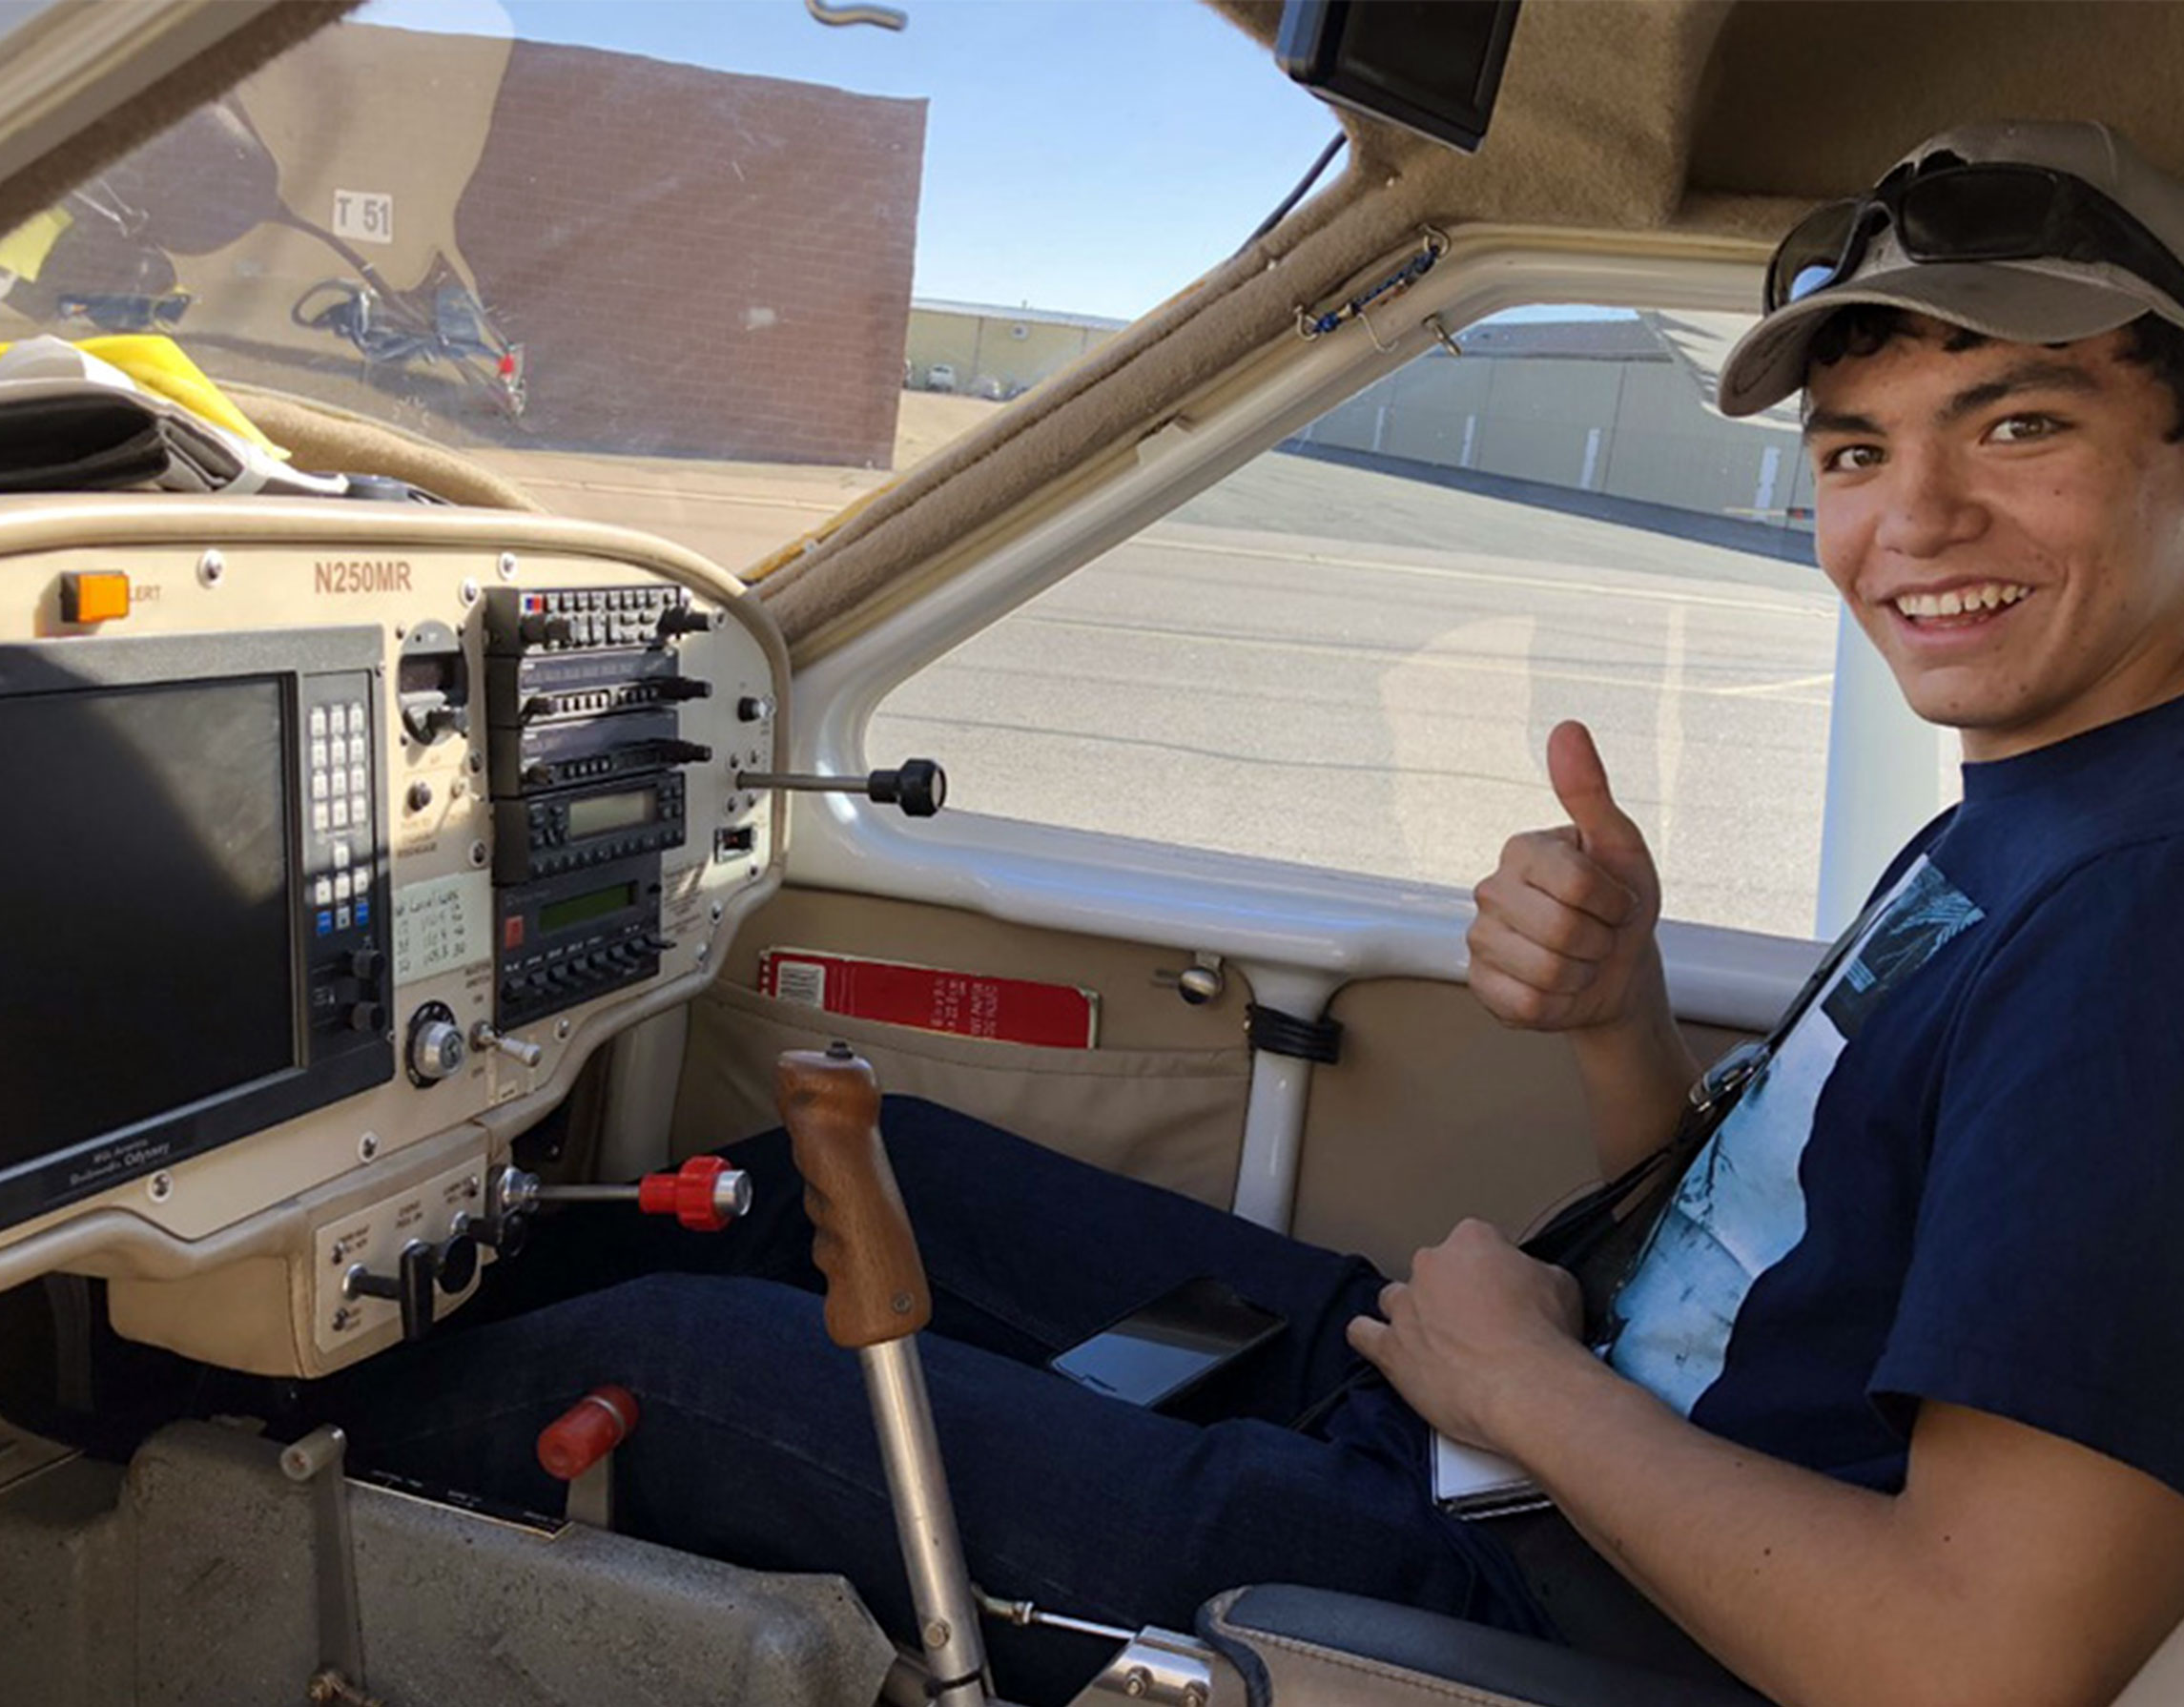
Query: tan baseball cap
{"x":2040,"y":300}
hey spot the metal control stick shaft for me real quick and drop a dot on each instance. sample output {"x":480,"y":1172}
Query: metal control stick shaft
{"x":917,"y":786}
{"x":877,"y":1301}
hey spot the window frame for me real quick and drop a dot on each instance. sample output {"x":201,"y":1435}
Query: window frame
{"x":1326,"y":927}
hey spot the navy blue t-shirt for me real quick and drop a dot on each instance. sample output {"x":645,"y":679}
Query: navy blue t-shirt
{"x":1961,"y":1177}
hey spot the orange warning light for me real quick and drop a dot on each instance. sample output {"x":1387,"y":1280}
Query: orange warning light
{"x":95,"y":596}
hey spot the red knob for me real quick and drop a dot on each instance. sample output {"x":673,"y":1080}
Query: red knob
{"x":586,"y":1431}
{"x":691,"y":1194}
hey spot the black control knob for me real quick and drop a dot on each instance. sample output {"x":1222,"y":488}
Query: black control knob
{"x":455,"y":1265}
{"x":539,"y":628}
{"x":410,"y":1286}
{"x":754,"y":707}
{"x":919,"y":787}
{"x":687,"y":619}
{"x":503,"y":1234}
{"x":366,"y":964}
{"x":367,"y":1016}
{"x":686,"y":753}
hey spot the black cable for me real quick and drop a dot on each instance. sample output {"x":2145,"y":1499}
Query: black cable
{"x":1303,"y":189}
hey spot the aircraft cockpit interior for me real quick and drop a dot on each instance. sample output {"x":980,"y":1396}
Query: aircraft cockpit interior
{"x":583,"y":580}
{"x":395,"y":829}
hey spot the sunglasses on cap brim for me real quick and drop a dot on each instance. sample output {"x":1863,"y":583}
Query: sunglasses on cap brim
{"x":1995,"y":212}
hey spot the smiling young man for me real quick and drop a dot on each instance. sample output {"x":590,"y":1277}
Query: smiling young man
{"x":1891,"y":1406}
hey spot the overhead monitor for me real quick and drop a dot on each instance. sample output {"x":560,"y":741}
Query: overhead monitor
{"x":1432,"y":65}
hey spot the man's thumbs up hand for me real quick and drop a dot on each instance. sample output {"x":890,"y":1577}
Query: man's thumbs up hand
{"x":1565,"y":922}
{"x":1605,"y":832}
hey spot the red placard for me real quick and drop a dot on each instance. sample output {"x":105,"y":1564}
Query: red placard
{"x":968,"y":1004}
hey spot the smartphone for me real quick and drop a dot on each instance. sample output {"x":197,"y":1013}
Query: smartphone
{"x":1158,"y":1353}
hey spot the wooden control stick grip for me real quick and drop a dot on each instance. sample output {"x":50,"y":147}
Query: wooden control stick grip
{"x":862,"y":1243}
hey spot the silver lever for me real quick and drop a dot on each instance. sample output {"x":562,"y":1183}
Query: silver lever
{"x":484,"y":1037}
{"x":315,"y":1462}
{"x":704,"y":1194}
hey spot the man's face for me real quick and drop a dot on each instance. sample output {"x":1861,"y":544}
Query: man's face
{"x":2006,"y":522}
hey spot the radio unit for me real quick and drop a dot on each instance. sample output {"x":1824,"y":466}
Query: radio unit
{"x":557,"y":687}
{"x":573,"y":618}
{"x":581,"y":691}
{"x":553,"y":755}
{"x":563,"y":941}
{"x":548,"y":835}
{"x":217,"y":796}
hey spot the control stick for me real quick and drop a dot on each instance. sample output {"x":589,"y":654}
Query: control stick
{"x":917,"y":786}
{"x":877,"y":1301}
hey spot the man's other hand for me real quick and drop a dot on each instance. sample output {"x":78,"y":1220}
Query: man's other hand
{"x":1470,"y":1323}
{"x":1564,"y":937}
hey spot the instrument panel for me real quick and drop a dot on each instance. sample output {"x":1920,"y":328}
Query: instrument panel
{"x":337,"y":836}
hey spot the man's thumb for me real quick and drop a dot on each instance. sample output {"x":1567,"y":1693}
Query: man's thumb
{"x":1581,"y":785}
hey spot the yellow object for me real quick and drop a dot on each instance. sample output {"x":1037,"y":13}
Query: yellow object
{"x":157,"y":364}
{"x":23,"y":251}
{"x":93,"y":596}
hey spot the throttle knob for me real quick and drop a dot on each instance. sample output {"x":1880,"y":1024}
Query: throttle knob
{"x":586,"y":1431}
{"x":704,"y":1195}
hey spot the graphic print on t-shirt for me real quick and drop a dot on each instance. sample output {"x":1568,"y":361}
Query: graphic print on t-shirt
{"x":1741,"y":1208}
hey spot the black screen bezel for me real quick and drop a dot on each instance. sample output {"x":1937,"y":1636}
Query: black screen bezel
{"x":1317,"y":49}
{"x":322,"y":1069}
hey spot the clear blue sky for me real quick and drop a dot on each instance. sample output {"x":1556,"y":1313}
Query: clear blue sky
{"x":1090,"y":157}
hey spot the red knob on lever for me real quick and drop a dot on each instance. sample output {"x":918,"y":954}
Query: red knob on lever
{"x":586,"y":1431}
{"x":704,"y":1194}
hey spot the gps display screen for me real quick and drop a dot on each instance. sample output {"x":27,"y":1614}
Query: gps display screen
{"x":145,"y":954}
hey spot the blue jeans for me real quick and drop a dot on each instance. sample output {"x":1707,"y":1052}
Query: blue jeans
{"x":757,"y":1446}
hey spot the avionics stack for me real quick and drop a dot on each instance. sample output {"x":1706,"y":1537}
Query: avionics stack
{"x":582,"y":689}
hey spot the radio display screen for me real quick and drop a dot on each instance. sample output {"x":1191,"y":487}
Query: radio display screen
{"x":597,"y":904}
{"x":590,"y":816}
{"x":145,"y":905}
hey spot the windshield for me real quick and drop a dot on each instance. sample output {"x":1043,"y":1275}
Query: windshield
{"x":710,"y":269}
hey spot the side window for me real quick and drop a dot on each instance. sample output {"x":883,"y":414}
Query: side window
{"x":1349,"y":652}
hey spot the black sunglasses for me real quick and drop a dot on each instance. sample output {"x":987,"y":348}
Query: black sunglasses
{"x":1970,"y":212}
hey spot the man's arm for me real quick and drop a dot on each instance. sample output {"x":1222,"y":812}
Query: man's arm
{"x":1564,"y":942}
{"x":2015,"y":1567}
